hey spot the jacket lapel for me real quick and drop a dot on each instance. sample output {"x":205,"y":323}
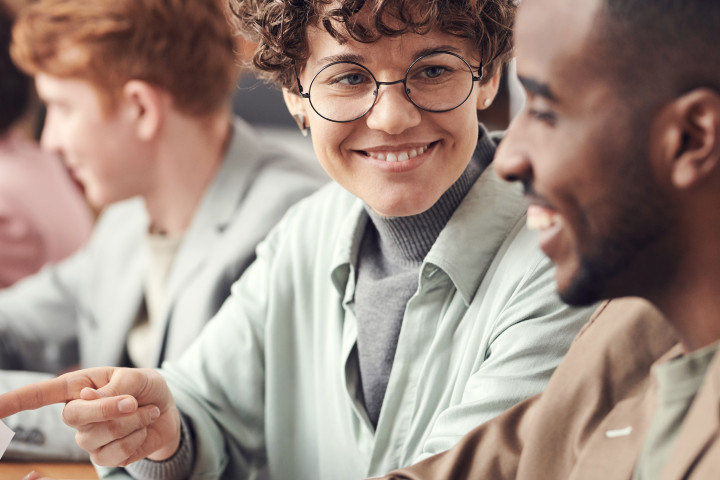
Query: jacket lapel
{"x":213,"y":215}
{"x":117,"y":303}
{"x":615,"y":445}
{"x":613,"y":449}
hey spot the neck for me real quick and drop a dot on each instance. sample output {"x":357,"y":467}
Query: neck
{"x":186,"y":160}
{"x":409,"y":239}
{"x":692,"y":303}
{"x":690,"y":297}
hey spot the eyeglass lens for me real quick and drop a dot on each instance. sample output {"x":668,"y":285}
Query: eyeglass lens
{"x":437,"y":82}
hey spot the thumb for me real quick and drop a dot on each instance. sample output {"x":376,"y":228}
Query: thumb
{"x":146,"y":385}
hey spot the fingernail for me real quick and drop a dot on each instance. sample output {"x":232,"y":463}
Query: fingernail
{"x":88,"y":393}
{"x":31,"y":476}
{"x":154,"y":413}
{"x":126,"y":405}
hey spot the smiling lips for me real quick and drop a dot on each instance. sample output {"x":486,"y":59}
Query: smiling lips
{"x":398,"y":155}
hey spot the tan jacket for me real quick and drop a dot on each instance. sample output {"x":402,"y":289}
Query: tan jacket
{"x":591,"y":421}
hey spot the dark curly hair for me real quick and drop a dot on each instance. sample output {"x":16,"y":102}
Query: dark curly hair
{"x":279,"y":27}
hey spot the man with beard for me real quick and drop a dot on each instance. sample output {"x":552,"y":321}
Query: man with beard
{"x":619,"y":149}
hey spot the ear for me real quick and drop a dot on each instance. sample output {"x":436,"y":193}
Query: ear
{"x":488,"y":90}
{"x":296,"y":107}
{"x":691,"y":137}
{"x":143,"y":105}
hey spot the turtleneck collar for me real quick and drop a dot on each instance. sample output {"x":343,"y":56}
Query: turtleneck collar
{"x":408,"y":239}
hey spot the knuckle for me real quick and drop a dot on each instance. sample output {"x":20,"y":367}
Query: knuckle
{"x":115,"y":429}
{"x":126,"y":448}
{"x":108,"y":409}
{"x":86,"y":440}
{"x":146,"y":418}
{"x":80,"y":439}
{"x":130,"y":444}
{"x":99,"y":456}
{"x":109,"y":456}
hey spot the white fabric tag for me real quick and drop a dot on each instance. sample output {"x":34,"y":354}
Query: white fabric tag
{"x":5,"y":436}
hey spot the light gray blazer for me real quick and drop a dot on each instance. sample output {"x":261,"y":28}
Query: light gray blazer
{"x":81,"y":310}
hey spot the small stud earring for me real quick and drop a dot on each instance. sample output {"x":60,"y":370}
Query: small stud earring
{"x":487,"y":102}
{"x":300,"y":120}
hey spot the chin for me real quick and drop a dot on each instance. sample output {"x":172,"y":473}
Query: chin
{"x":579,"y":297}
{"x":585,"y":287}
{"x":399,"y":210}
{"x":97,"y":200}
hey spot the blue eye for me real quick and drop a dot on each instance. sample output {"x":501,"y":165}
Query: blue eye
{"x":434,"y":72}
{"x":352,"y":79}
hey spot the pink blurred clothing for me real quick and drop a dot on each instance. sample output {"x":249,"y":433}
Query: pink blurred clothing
{"x":43,"y":215}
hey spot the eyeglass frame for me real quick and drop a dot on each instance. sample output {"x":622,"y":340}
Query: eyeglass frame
{"x":475,"y":78}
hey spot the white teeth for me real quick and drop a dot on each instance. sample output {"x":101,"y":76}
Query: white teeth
{"x":538,"y":222}
{"x":542,"y":222}
{"x":399,"y":156}
{"x":541,"y":218}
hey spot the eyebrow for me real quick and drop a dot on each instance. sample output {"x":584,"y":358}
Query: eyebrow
{"x":353,"y":57}
{"x":535,"y":87}
{"x":341,"y":57}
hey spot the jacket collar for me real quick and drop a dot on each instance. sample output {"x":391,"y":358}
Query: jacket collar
{"x":481,"y":223}
{"x":700,"y":428}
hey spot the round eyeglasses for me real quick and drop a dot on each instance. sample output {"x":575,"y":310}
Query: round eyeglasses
{"x":345,"y":91}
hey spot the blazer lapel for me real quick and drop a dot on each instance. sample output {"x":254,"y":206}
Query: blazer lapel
{"x":615,"y":445}
{"x":701,"y":427}
{"x":117,"y":308}
{"x":213,"y":215}
{"x":613,"y":448}
{"x":119,"y":319}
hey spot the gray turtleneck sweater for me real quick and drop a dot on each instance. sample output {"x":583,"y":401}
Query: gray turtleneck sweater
{"x":389,"y":260}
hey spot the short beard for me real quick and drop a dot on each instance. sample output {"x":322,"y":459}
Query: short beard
{"x":644,"y":217}
{"x":586,"y":288}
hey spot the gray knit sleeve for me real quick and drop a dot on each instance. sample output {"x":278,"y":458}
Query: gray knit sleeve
{"x":176,"y":467}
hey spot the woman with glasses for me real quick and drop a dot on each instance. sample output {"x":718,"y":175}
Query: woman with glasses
{"x":385,"y":316}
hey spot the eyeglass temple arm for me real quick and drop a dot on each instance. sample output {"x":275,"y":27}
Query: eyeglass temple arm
{"x":297,"y":79}
{"x":481,"y":73}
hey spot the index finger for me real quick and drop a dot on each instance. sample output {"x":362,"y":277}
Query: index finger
{"x":58,"y":390}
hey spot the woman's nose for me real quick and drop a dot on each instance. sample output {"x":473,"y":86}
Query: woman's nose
{"x":393,"y":111}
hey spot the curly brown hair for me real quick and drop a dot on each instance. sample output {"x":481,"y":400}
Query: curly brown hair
{"x":279,"y":27}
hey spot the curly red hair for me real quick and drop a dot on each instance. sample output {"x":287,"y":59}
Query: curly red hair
{"x":185,"y":47}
